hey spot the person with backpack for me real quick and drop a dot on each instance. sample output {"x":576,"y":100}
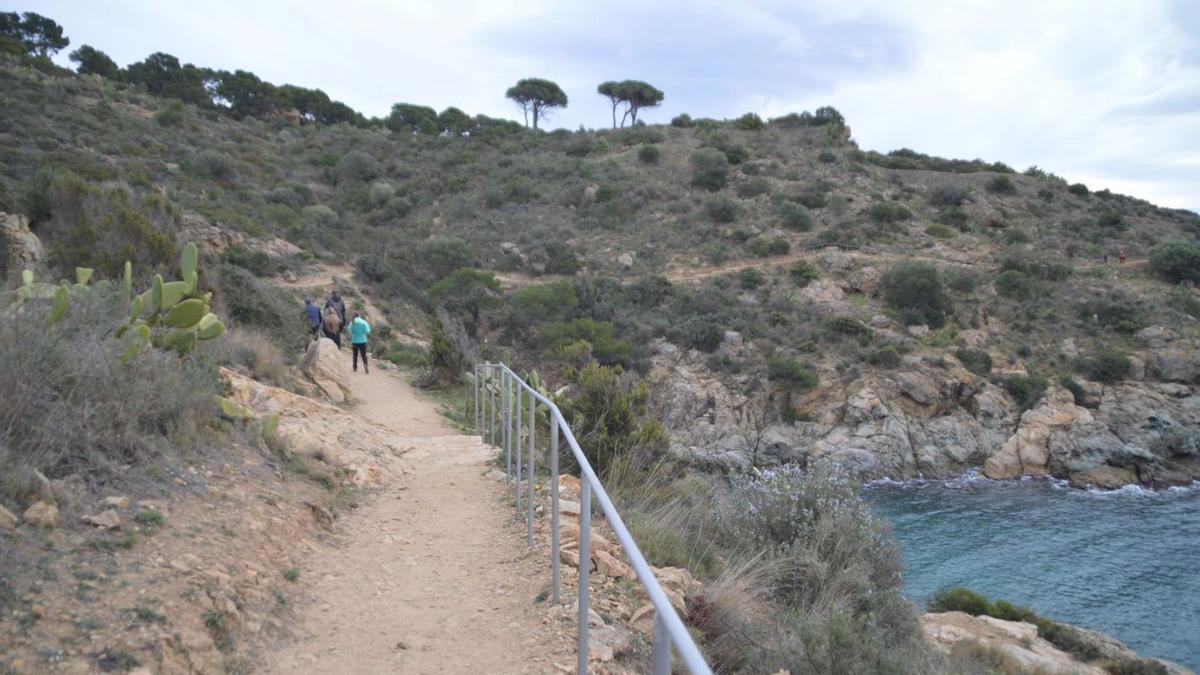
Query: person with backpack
{"x":331,"y":324}
{"x":313,"y":316}
{"x":359,"y":330}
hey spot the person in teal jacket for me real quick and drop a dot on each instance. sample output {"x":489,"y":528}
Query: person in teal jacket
{"x":359,"y":330}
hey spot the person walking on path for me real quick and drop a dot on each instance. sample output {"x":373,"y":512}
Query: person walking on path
{"x":335,"y":324}
{"x":313,"y":316}
{"x":1121,"y":259}
{"x":359,"y":330}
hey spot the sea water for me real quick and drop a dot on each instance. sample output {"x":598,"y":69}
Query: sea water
{"x":1124,"y":562}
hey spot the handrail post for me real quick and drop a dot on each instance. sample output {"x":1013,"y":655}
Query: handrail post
{"x":662,"y":647}
{"x":585,"y":569}
{"x":554,"y":562}
{"x":517,"y":443}
{"x":505,"y":417}
{"x":529,"y":478}
{"x":475,"y":409}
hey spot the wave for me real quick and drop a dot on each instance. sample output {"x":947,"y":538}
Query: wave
{"x":973,"y":478}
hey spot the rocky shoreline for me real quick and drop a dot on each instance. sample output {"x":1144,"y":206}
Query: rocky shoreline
{"x":932,"y":418}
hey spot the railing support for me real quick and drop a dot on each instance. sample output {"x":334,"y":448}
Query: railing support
{"x":585,"y":569}
{"x":662,"y":647}
{"x":517,"y":443}
{"x":505,"y":421}
{"x":529,"y":479}
{"x":554,"y":561}
{"x":475,"y":408}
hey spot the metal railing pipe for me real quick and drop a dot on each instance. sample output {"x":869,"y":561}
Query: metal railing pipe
{"x":529,"y":478}
{"x":517,"y":444}
{"x":585,"y":570}
{"x":554,"y":552}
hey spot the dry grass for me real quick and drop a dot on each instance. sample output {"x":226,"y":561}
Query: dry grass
{"x":252,"y":352}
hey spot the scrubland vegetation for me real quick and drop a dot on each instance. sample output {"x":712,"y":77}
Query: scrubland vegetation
{"x":554,"y":251}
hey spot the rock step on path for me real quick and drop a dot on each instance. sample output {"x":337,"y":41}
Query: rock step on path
{"x":430,"y":575}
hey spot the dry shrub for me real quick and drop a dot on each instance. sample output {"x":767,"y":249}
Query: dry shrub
{"x":251,"y":351}
{"x":728,"y":615}
{"x":71,"y":404}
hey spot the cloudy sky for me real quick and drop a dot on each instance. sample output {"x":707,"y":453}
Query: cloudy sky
{"x":1101,"y":91}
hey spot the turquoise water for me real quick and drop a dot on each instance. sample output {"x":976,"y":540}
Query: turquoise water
{"x":1125,"y":562}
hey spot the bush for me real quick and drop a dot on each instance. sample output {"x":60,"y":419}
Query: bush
{"x":1176,"y":261}
{"x":721,"y":209}
{"x":257,"y":263}
{"x":171,"y":114}
{"x":440,"y":256}
{"x":649,"y":153}
{"x":1105,"y":366}
{"x":886,"y":357}
{"x":250,"y":302}
{"x":754,"y":187}
{"x":710,"y":169}
{"x":802,"y":273}
{"x":1078,"y":189}
{"x":977,"y":361}
{"x":1026,"y":390}
{"x":357,"y":165}
{"x":751,"y":278}
{"x":794,"y":216}
{"x":71,"y":403}
{"x":888,"y":212}
{"x":791,"y":373}
{"x":1076,"y":389}
{"x":215,"y":165}
{"x":750,"y":122}
{"x":938,"y":231}
{"x":252,"y":352}
{"x":813,"y":198}
{"x":700,"y":332}
{"x":826,"y":157}
{"x":779,"y":247}
{"x":1116,"y":311}
{"x":599,"y":335}
{"x":1001,"y":185}
{"x":1015,"y":285}
{"x":915,"y":290}
{"x":953,"y":216}
{"x":683,"y":121}
{"x":947,"y":195}
{"x":961,"y":280}
{"x":608,"y":409}
{"x":960,"y":600}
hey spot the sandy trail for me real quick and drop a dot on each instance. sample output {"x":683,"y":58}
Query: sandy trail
{"x":428,"y":576}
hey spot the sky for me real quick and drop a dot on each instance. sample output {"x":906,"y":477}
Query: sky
{"x":1104,"y":92}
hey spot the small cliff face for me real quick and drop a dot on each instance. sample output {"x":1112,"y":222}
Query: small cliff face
{"x":928,"y":421}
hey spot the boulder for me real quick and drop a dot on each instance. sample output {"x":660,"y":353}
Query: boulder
{"x":8,"y":519}
{"x":325,"y":365}
{"x":1104,"y":477}
{"x":625,"y":260}
{"x":1027,"y":451}
{"x":105,"y":520}
{"x":119,"y":502}
{"x":1175,"y":364}
{"x":610,"y":566}
{"x":1016,"y":640}
{"x":41,"y":514}
{"x":25,"y":249}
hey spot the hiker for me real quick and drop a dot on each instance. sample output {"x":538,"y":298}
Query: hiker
{"x":1121,"y":258}
{"x":331,"y":324}
{"x":1106,"y":257}
{"x":359,"y":330}
{"x":313,"y":316}
{"x":335,"y":303}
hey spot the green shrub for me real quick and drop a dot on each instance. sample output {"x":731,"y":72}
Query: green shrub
{"x":610,"y":411}
{"x":915,"y":290}
{"x":791,"y":373}
{"x":826,"y":157}
{"x":1078,"y":189}
{"x":953,"y":216}
{"x":1076,"y":389}
{"x":1111,"y":220}
{"x":171,"y":113}
{"x":960,"y":280}
{"x":794,"y":216}
{"x":700,"y":332}
{"x":440,"y":256}
{"x":683,"y":121}
{"x":1001,"y":185}
{"x":213,"y":164}
{"x":779,"y":247}
{"x":250,"y":302}
{"x":750,"y":122}
{"x":751,"y":278}
{"x":802,"y":273}
{"x":600,"y":335}
{"x":960,"y":600}
{"x":721,"y":209}
{"x":888,"y":212}
{"x":1026,"y":390}
{"x":357,"y":166}
{"x":1115,"y":311}
{"x":255,"y":262}
{"x":1175,"y":261}
{"x":947,"y":194}
{"x":939,"y":231}
{"x":1015,"y":285}
{"x":754,"y":187}
{"x":977,"y":361}
{"x":710,"y":169}
{"x":759,"y":247}
{"x":1104,"y":366}
{"x":886,"y":357}
{"x":1016,"y":235}
{"x":648,"y":153}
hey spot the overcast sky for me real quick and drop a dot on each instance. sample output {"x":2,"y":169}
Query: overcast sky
{"x":1106,"y":92}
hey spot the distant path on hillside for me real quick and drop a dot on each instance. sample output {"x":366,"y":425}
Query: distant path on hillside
{"x":429,"y":576}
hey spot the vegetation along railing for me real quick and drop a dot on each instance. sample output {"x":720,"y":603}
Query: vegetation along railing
{"x":499,"y":396}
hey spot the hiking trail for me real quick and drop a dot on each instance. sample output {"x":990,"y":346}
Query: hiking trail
{"x":430,"y":574}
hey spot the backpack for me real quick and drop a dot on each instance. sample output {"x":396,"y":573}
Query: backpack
{"x":331,"y":320}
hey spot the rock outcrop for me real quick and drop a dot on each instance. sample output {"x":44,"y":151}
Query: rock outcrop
{"x":325,"y":366}
{"x":25,"y":249}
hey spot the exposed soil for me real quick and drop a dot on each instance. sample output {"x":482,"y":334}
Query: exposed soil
{"x":429,"y":577}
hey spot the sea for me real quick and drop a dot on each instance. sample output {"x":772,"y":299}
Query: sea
{"x":1124,"y":562}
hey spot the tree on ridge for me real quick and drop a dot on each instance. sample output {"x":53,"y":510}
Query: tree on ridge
{"x":536,"y":96}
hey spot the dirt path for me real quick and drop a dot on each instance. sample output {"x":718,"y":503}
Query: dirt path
{"x":431,"y":576}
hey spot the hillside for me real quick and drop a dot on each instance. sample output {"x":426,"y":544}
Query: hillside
{"x":698,"y":255}
{"x":715,"y":297}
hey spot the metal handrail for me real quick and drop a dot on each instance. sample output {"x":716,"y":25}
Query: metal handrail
{"x":494,"y":401}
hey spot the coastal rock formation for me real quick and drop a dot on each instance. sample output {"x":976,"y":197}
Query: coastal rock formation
{"x":938,"y":422}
